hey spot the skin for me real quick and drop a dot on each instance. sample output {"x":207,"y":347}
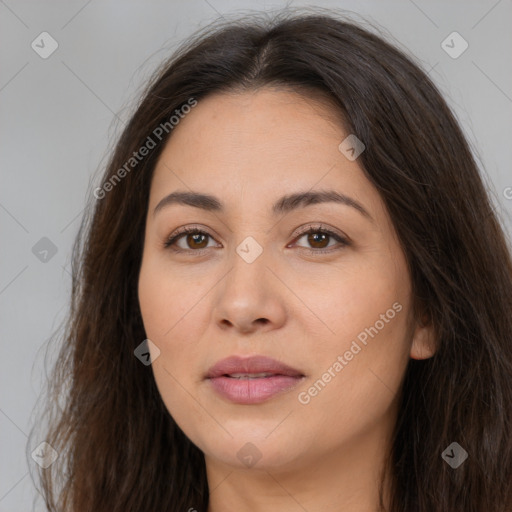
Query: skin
{"x":249,"y":149}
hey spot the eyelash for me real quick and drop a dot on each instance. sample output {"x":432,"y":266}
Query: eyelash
{"x":171,"y":241}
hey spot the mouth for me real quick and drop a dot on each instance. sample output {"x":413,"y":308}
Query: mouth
{"x":250,"y":375}
{"x":252,"y":380}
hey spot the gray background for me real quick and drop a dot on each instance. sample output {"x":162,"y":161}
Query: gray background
{"x":58,"y":120}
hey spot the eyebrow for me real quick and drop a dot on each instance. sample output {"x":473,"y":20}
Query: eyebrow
{"x":282,"y":206}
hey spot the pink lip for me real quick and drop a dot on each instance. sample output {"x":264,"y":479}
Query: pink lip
{"x":256,"y":390}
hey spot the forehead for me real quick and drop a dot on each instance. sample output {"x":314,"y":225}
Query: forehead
{"x":259,"y":145}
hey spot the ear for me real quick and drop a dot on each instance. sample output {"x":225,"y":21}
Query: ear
{"x":423,"y":344}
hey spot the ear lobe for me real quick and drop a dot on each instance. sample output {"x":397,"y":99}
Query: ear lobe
{"x":423,"y":340}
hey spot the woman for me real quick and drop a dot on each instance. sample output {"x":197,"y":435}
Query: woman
{"x":293,"y":293}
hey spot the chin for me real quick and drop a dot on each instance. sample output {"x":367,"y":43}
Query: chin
{"x":250,"y":450}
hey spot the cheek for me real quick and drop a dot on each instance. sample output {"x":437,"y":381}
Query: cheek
{"x":369,"y":298}
{"x":355,"y":384}
{"x":151,"y":296}
{"x":164,"y":303}
{"x":360,"y":364}
{"x":166,"y":299}
{"x":173,"y":309}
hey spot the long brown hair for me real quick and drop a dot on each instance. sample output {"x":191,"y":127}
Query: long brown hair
{"x":119,"y":448}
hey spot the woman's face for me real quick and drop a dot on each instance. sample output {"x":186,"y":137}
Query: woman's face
{"x":331,"y":312}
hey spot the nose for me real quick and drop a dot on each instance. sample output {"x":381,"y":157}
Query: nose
{"x":250,"y":298}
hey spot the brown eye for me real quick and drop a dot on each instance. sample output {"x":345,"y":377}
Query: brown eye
{"x":196,"y":241}
{"x":319,"y":240}
{"x":189,"y":239}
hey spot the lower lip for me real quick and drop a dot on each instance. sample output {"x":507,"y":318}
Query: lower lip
{"x":253,"y":391}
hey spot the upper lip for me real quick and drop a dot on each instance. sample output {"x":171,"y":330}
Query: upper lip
{"x":249,"y":365}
